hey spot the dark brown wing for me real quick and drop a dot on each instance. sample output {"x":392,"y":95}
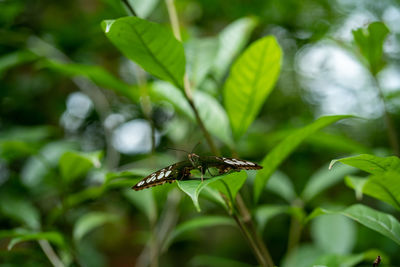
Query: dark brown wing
{"x":177,"y":171}
{"x":225,"y":165}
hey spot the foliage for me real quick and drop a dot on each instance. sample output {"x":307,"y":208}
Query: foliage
{"x":89,"y":107}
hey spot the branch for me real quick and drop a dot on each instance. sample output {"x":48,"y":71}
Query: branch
{"x":50,"y":253}
{"x":188,"y":91}
{"x":128,"y":5}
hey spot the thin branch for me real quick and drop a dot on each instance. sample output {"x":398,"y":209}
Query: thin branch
{"x":251,"y":242}
{"x":254,"y":239}
{"x":187,"y":88}
{"x":173,"y":16}
{"x":128,"y":5}
{"x":245,"y":213}
{"x":50,"y":253}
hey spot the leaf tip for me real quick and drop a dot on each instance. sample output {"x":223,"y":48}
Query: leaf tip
{"x":332,"y":163}
{"x":106,"y":25}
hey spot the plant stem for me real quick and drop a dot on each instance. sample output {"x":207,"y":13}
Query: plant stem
{"x":391,"y":131}
{"x":243,"y":210}
{"x":250,"y":240}
{"x":128,"y":5}
{"x":50,"y":253}
{"x":254,"y":239}
{"x":294,"y":234}
{"x":188,"y":92}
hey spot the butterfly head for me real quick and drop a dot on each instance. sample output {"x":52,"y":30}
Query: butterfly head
{"x":194,"y":159}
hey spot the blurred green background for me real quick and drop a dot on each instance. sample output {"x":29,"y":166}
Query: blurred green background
{"x":47,"y":109}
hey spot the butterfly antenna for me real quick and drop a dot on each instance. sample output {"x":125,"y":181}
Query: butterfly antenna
{"x":195,"y":146}
{"x":181,"y":150}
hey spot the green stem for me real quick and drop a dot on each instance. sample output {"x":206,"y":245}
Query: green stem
{"x":50,"y":253}
{"x":188,"y":91}
{"x":254,"y":239}
{"x":128,"y":5}
{"x":295,"y":227}
{"x":251,"y":242}
{"x":244,"y":212}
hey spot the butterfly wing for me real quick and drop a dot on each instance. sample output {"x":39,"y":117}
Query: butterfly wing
{"x":178,"y":171}
{"x":225,"y":165}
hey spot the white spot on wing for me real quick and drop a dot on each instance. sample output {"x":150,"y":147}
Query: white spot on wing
{"x":167,"y":173}
{"x":140,"y":183}
{"x":161,"y":175}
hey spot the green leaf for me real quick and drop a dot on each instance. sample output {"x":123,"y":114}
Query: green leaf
{"x":385,"y":187}
{"x":53,"y":237}
{"x":284,"y":148}
{"x":150,"y":45}
{"x":144,"y":201}
{"x":378,"y":221}
{"x":334,"y":233}
{"x":230,"y":184}
{"x":323,"y":179}
{"x":303,"y":256}
{"x":143,"y":8}
{"x":97,"y":74}
{"x":113,"y":180}
{"x":370,"y":43}
{"x":163,"y":91}
{"x":84,"y":195}
{"x":76,"y":164}
{"x":15,"y":149}
{"x":336,"y":142}
{"x":251,"y":80}
{"x":357,"y":183}
{"x":200,"y":54}
{"x":370,"y":163}
{"x":20,"y":209}
{"x":90,"y":221}
{"x":214,"y":117}
{"x":210,"y":111}
{"x":264,"y":213}
{"x":14,"y":59}
{"x":282,"y":186}
{"x":37,"y":167}
{"x":231,"y":41}
{"x":195,"y":224}
{"x":193,"y":188}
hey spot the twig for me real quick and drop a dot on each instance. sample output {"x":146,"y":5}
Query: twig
{"x":251,"y":242}
{"x":254,"y":239}
{"x":128,"y":5}
{"x":188,"y":92}
{"x":50,"y":253}
{"x":295,"y":228}
{"x":243,"y":210}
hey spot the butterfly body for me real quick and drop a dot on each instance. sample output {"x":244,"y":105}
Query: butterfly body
{"x":181,"y":170}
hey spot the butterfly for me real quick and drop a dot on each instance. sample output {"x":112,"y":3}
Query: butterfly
{"x":181,"y":170}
